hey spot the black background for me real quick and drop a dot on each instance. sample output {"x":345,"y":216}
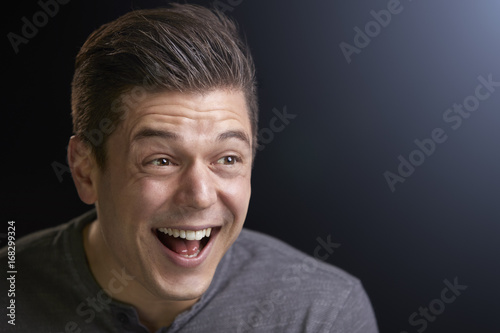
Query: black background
{"x":323,"y":174}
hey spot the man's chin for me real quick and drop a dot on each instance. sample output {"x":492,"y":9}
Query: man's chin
{"x":174,"y":284}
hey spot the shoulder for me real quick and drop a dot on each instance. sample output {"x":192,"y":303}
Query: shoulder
{"x":50,"y":252}
{"x":303,"y":293}
{"x":41,"y":253}
{"x":44,"y":243}
{"x":36,"y":244}
{"x":51,"y":238}
{"x":280,"y":256}
{"x":45,"y":264}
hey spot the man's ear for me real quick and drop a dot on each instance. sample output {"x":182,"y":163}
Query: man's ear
{"x":83,"y":169}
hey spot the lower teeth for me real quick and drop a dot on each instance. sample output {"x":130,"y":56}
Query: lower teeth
{"x":191,"y":255}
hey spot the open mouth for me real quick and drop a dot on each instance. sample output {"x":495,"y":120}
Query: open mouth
{"x":186,"y":243}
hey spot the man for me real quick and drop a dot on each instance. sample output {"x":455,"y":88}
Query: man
{"x":165,"y":121}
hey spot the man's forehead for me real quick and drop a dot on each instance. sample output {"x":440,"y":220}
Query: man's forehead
{"x":218,"y":104}
{"x":170,"y":114}
{"x":229,"y":100}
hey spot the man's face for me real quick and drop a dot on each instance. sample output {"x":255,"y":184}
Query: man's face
{"x":177,"y":161}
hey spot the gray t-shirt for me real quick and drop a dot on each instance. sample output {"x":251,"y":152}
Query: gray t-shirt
{"x":260,"y":285}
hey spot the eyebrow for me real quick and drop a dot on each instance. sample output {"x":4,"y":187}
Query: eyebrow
{"x":240,"y":135}
{"x":154,"y":133}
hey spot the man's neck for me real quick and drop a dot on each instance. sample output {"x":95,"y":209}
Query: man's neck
{"x":153,"y":313}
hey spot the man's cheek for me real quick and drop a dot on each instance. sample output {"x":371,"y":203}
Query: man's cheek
{"x":238,"y":188}
{"x":150,"y":196}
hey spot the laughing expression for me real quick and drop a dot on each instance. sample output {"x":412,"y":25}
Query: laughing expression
{"x":175,"y":191}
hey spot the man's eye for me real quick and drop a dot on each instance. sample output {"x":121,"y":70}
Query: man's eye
{"x":161,"y":162}
{"x":227,"y":160}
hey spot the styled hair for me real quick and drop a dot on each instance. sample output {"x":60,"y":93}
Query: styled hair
{"x":183,"y":48}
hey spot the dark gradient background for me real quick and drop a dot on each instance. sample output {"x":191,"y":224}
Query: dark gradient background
{"x":323,"y":174}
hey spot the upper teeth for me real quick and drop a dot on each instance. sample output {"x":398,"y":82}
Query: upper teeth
{"x":187,"y":234}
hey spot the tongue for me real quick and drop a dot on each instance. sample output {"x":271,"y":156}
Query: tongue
{"x":182,"y":246}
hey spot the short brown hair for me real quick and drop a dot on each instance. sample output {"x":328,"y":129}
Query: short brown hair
{"x":185,"y":48}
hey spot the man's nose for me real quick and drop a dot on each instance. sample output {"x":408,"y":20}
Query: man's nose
{"x":197,"y":188}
